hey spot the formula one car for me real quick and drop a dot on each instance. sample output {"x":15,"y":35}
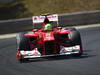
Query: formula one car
{"x":53,"y":42}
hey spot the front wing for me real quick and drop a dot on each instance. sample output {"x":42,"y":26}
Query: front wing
{"x":64,"y":51}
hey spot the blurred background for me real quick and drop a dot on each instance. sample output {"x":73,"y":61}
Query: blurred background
{"x":14,"y":9}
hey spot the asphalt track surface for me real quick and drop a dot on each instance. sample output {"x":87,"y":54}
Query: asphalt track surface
{"x":87,"y":64}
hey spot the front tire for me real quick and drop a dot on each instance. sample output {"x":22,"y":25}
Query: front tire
{"x":23,"y":43}
{"x":75,"y":39}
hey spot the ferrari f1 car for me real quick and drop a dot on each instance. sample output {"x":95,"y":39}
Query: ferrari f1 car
{"x":43,"y":43}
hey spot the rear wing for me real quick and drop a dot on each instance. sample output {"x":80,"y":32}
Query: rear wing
{"x":39,"y":20}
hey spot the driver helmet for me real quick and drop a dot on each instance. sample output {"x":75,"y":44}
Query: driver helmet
{"x":48,"y":27}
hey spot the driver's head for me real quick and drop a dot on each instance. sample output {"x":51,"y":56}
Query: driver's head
{"x":48,"y":27}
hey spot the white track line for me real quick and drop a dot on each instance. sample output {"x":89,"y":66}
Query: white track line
{"x":4,"y":36}
{"x":87,"y":26}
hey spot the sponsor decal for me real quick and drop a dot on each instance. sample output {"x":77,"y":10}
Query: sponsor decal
{"x":40,"y":19}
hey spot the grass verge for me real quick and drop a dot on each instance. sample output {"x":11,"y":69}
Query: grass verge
{"x":28,"y":8}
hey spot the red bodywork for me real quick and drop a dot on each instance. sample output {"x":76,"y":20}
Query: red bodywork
{"x":48,"y":37}
{"x":49,"y":42}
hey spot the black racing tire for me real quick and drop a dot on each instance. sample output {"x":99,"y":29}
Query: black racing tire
{"x":75,"y":39}
{"x":74,"y":36}
{"x":23,"y":43}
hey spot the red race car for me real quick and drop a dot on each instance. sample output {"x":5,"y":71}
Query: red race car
{"x":48,"y":39}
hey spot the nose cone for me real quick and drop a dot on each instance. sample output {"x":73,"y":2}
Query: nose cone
{"x":48,"y":36}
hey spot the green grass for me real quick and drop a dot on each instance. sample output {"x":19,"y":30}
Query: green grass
{"x":28,"y":8}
